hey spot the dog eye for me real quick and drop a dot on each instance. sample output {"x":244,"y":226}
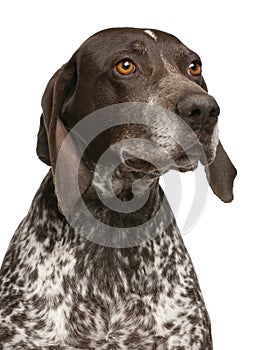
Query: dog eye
{"x":125,"y":67}
{"x":195,"y":68}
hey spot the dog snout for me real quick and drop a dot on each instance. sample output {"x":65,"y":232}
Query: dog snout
{"x":199,"y":111}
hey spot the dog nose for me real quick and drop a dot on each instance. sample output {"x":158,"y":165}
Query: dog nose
{"x":199,"y":111}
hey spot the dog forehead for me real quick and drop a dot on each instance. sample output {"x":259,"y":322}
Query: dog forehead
{"x":114,"y":39}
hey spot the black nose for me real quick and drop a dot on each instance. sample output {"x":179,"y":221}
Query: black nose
{"x":200,"y":111}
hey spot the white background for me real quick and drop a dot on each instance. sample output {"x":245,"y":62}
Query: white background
{"x":227,"y":245}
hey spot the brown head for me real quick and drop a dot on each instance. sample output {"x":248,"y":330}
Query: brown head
{"x":154,"y":69}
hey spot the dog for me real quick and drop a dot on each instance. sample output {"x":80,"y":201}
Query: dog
{"x":114,"y":279}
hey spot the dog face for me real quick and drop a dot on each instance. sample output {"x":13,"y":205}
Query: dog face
{"x":144,"y":66}
{"x":125,"y":65}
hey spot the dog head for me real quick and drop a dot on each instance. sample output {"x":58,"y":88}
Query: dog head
{"x":132,"y":67}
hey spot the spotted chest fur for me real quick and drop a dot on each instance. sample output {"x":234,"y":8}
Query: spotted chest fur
{"x":61,"y":291}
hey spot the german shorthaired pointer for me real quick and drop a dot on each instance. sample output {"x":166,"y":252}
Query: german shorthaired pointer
{"x":61,"y":289}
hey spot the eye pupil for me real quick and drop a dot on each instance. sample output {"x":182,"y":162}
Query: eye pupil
{"x":195,"y":68}
{"x":125,"y":67}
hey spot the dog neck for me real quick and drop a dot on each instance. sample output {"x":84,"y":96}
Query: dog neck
{"x":98,"y":223}
{"x":147,"y":194}
{"x":122,"y":198}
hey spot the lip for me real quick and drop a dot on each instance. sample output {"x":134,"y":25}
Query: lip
{"x":203,"y":136}
{"x":138,"y":164}
{"x":193,"y":152}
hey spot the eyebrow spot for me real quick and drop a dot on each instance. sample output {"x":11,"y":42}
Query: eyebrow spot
{"x":151,"y":34}
{"x":138,"y":47}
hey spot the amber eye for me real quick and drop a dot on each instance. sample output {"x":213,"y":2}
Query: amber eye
{"x":125,"y":67}
{"x":195,"y":68}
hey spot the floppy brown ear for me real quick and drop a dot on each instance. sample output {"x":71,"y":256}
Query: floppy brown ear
{"x":47,"y":101}
{"x":42,"y":143}
{"x":221,"y":174}
{"x":52,"y":135}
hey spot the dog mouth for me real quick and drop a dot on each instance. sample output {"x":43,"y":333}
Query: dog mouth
{"x":136,"y":163}
{"x":158,"y":165}
{"x":144,"y":156}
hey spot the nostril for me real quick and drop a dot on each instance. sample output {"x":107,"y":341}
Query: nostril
{"x":177,"y":111}
{"x":215,"y":112}
{"x":195,"y":113}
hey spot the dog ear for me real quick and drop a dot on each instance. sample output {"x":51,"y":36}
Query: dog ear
{"x":221,"y":174}
{"x":53,"y":134}
{"x":47,"y":100}
{"x":42,"y":143}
